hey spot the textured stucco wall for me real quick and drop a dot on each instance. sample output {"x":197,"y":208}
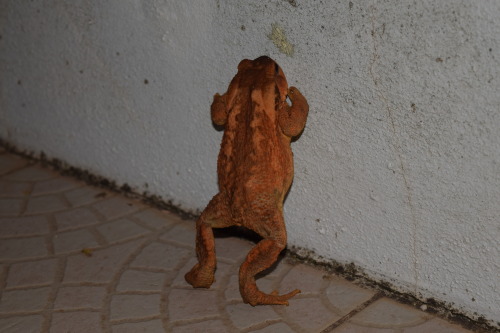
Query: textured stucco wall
{"x":398,"y":169}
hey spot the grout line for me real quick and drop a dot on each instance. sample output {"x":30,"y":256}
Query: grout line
{"x":10,"y":172}
{"x":348,"y":316}
{"x":25,"y":199}
{"x":54,"y":290}
{"x":106,"y":320}
{"x":49,"y":237}
{"x":232,"y":270}
{"x":100,"y":239}
{"x":4,"y":272}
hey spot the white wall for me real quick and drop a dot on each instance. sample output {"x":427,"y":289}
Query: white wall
{"x":398,"y":169}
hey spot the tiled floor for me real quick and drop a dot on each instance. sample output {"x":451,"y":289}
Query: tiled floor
{"x":75,"y":258}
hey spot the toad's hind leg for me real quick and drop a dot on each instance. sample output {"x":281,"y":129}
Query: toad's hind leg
{"x":261,"y":257}
{"x":215,"y":215}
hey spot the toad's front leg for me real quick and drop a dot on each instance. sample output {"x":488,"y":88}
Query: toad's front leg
{"x":292,"y":119}
{"x":218,"y":109}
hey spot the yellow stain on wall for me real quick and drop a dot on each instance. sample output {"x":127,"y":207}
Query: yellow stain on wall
{"x":279,"y":39}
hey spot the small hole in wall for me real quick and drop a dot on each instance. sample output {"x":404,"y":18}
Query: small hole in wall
{"x":146,"y":81}
{"x":19,"y":82}
{"x":243,"y":28}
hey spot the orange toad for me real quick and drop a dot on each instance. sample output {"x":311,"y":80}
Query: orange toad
{"x":255,"y":171}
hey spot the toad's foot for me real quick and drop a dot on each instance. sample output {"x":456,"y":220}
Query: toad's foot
{"x":200,"y":277}
{"x":256,"y":297}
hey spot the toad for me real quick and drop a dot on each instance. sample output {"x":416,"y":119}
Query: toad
{"x":255,"y":171}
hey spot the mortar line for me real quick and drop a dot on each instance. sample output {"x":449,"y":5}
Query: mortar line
{"x":351,"y":314}
{"x":54,"y":290}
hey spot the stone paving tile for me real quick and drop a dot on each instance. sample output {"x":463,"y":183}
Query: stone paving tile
{"x":121,"y":229}
{"x":269,"y":285}
{"x":24,"y":226}
{"x":22,"y":324}
{"x":436,"y":326}
{"x":155,"y":219}
{"x":208,"y":326}
{"x":14,"y":189}
{"x":74,"y":241}
{"x":182,"y":233}
{"x":388,"y":313}
{"x":351,"y":328}
{"x":75,"y":322}
{"x":24,"y":300}
{"x":75,"y":218}
{"x":134,"y":306}
{"x":10,"y":207}
{"x":84,"y":195}
{"x":45,"y":204}
{"x":71,"y":298}
{"x":184,"y":304}
{"x":133,"y":280}
{"x":232,"y":248}
{"x":55,"y":185}
{"x":9,"y":163}
{"x":23,"y":248}
{"x":132,"y":274}
{"x":306,"y":278}
{"x":151,"y":326}
{"x":243,"y":316}
{"x":115,"y":207}
{"x":101,"y":266}
{"x":31,"y":173}
{"x":309,"y":314}
{"x":276,"y":328}
{"x":232,"y":290}
{"x":280,"y":268}
{"x":345,"y":296}
{"x":159,"y":255}
{"x":32,"y":273}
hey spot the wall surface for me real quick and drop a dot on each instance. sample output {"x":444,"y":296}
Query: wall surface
{"x":398,"y":169}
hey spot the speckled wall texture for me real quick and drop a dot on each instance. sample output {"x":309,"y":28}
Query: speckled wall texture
{"x":398,"y":169}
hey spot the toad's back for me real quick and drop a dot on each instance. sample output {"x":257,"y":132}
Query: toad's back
{"x":255,"y":165}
